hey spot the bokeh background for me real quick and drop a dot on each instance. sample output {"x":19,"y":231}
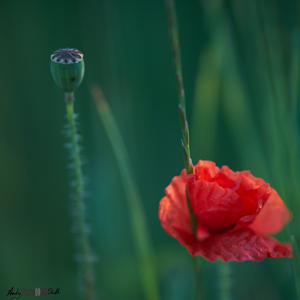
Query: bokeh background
{"x":240,"y":66}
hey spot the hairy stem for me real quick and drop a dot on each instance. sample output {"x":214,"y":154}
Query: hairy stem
{"x":85,"y":261}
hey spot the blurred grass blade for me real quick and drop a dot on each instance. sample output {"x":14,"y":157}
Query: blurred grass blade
{"x":207,"y":87}
{"x":296,"y":265}
{"x":238,"y":113}
{"x":284,"y":111}
{"x":206,"y":104}
{"x":137,"y":218}
{"x":294,"y":74}
{"x":224,"y":76}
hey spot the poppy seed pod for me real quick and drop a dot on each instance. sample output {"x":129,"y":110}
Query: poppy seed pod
{"x":67,"y":68}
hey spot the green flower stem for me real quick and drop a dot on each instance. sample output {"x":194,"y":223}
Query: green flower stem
{"x":224,"y":270}
{"x":173,"y":29}
{"x":296,"y":266}
{"x":197,"y":278}
{"x":86,"y":269}
{"x":137,"y":218}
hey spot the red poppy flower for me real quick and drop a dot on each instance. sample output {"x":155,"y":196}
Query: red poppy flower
{"x":234,"y":212}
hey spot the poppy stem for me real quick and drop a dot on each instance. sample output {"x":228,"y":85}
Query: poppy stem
{"x":296,"y":266}
{"x":185,"y":142}
{"x":197,"y":278}
{"x":137,"y":218}
{"x":85,"y":261}
{"x":173,"y":29}
{"x":224,"y":272}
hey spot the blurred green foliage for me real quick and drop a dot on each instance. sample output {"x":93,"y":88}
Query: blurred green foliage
{"x":240,"y":64}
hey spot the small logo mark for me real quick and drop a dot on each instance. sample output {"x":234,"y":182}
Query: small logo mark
{"x":32,"y":292}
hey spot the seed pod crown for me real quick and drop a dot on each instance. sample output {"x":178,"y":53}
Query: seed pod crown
{"x":67,"y":68}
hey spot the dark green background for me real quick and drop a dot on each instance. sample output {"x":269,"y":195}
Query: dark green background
{"x":240,"y":62}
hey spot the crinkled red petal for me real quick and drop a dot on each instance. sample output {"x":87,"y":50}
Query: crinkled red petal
{"x":223,"y":199}
{"x":225,"y":177}
{"x":239,"y":245}
{"x":253,"y":201}
{"x":215,"y":208}
{"x":173,"y":210}
{"x":273,"y":216}
{"x":206,"y":170}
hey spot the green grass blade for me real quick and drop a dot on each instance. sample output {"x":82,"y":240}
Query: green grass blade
{"x":205,"y":112}
{"x":137,"y":218}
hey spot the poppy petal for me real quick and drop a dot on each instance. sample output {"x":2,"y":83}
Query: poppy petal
{"x":240,"y":245}
{"x":253,"y":201}
{"x":273,"y":216}
{"x":206,"y":170}
{"x":173,"y":210}
{"x":234,"y":211}
{"x":253,"y":193}
{"x":216,"y":208}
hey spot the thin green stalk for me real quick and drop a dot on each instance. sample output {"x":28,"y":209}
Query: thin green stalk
{"x":173,"y":29}
{"x":86,"y":270}
{"x":197,"y":278}
{"x":137,"y":218}
{"x":224,"y":280}
{"x":296,"y":266}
